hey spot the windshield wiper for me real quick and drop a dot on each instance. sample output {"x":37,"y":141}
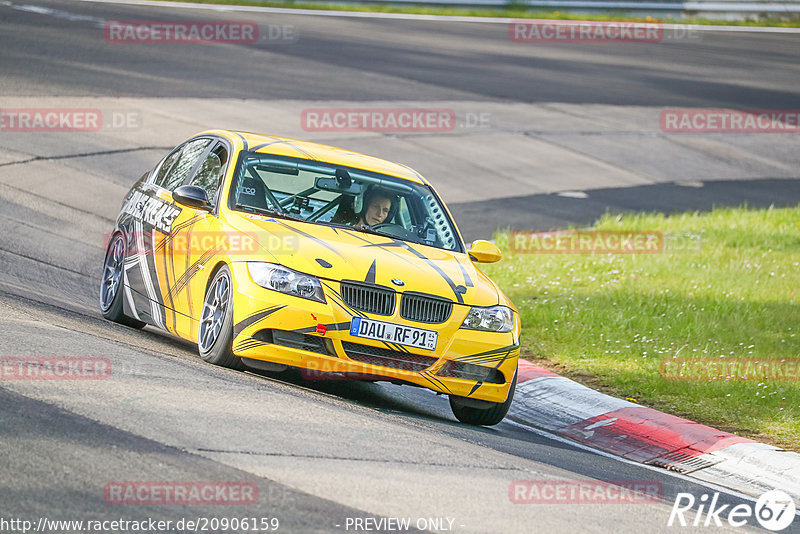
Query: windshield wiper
{"x":268,"y":211}
{"x":365,"y":229}
{"x":369,"y":230}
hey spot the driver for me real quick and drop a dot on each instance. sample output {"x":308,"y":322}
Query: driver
{"x":377,"y":206}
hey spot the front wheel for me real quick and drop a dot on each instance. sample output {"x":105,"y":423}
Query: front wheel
{"x":215,"y":333}
{"x":466,"y":412}
{"x":111,"y":285}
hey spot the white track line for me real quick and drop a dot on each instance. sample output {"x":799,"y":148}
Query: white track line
{"x":410,"y":16}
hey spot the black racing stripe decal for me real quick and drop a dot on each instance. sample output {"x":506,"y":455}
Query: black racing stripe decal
{"x":499,"y":358}
{"x":347,"y":309}
{"x":175,"y":229}
{"x":395,"y":346}
{"x":300,"y":150}
{"x":337,"y":299}
{"x":248,"y":344}
{"x":188,"y":222}
{"x":241,"y":325}
{"x":244,"y":141}
{"x":370,"y":278}
{"x":433,"y":378}
{"x":418,"y":254}
{"x":438,"y":269}
{"x":386,"y":247}
{"x":474,"y":388}
{"x":393,"y":243}
{"x":187,"y":276}
{"x":133,"y":275}
{"x":166,"y":256}
{"x":355,"y":233}
{"x":496,"y":351}
{"x":169,"y":262}
{"x":434,"y":381}
{"x":467,"y":279}
{"x":496,"y":355}
{"x":152,"y":269}
{"x":189,"y":303}
{"x":415,"y":173}
{"x":265,"y":145}
{"x":245,"y":344}
{"x":278,"y":141}
{"x":311,"y":237}
{"x":283,"y":142}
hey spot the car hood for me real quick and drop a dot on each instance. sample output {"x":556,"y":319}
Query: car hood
{"x":342,"y":254}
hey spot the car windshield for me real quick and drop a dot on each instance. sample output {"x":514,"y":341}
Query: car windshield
{"x":320,"y":193}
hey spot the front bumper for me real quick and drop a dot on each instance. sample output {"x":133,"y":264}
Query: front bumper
{"x":283,"y":329}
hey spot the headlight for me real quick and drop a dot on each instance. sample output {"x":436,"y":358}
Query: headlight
{"x":494,"y":319}
{"x":285,"y":280}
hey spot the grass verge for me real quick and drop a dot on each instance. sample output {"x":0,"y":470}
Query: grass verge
{"x":727,"y":287}
{"x":509,"y":12}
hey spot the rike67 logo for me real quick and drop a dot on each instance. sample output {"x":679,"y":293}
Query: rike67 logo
{"x":774,"y":510}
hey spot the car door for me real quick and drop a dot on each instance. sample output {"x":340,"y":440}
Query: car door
{"x":153,"y":214}
{"x":196,"y":240}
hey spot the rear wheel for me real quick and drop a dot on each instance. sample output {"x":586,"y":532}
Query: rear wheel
{"x":485,"y":414}
{"x":111,"y":284}
{"x":215,"y":333}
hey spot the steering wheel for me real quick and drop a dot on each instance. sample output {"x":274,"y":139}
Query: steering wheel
{"x":395,"y":230}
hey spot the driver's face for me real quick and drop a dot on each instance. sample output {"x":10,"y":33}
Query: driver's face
{"x":377,"y":211}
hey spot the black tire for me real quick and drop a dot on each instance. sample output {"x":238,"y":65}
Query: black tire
{"x":488,"y":416}
{"x":215,"y":331}
{"x":111,"y":284}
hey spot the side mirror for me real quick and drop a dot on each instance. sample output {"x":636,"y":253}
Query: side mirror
{"x":192,"y":196}
{"x":484,"y":252}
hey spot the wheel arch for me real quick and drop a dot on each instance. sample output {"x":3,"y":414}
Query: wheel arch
{"x":217,"y":266}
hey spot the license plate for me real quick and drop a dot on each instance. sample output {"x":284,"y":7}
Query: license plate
{"x":394,"y":333}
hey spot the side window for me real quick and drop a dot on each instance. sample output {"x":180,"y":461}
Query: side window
{"x":167,"y":164}
{"x":210,"y":173}
{"x":180,"y":170}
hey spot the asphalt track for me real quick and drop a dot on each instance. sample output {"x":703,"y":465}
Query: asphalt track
{"x":319,"y":453}
{"x":379,"y":59}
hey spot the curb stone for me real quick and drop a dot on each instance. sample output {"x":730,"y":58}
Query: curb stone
{"x":547,"y":400}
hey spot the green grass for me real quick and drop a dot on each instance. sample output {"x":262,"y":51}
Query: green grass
{"x":732,"y":289}
{"x":510,"y":12}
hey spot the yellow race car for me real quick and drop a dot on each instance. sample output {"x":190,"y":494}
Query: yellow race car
{"x":273,"y":253}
